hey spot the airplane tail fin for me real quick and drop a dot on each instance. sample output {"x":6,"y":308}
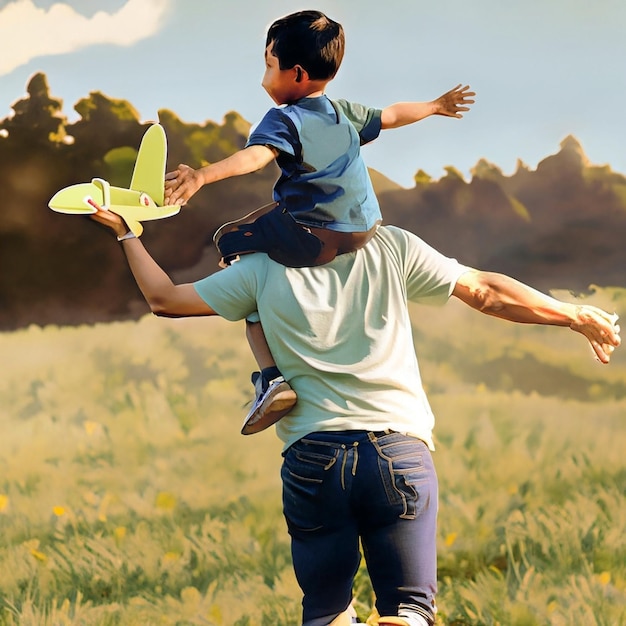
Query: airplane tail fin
{"x":149,"y":173}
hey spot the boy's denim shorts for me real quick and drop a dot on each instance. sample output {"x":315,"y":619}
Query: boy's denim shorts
{"x":275,"y":233}
{"x":343,"y":490}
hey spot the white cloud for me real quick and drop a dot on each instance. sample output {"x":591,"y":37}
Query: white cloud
{"x":29,"y":32}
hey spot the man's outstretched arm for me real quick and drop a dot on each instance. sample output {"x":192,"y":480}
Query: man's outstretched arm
{"x":504,"y":297}
{"x":163,"y":297}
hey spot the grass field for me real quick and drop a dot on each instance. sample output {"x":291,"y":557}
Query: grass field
{"x":128,"y":497}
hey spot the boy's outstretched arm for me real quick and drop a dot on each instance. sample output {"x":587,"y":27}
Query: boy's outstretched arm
{"x":453,"y":103}
{"x":504,"y":297}
{"x":185,"y":181}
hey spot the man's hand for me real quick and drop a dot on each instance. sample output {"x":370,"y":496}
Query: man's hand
{"x":112,"y":220}
{"x":181,"y":184}
{"x":454,"y":102}
{"x":600,"y":328}
{"x":163,"y":296}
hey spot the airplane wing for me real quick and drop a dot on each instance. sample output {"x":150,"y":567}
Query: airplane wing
{"x":73,"y":199}
{"x":149,"y":173}
{"x":134,"y":215}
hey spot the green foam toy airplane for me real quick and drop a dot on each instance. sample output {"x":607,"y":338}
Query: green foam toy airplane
{"x":144,"y":199}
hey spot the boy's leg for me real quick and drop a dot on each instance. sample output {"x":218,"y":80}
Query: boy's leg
{"x":274,"y":397}
{"x":274,"y":232}
{"x":258,"y":344}
{"x":233,"y":227}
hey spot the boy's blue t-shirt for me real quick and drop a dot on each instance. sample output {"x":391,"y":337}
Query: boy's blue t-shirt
{"x":324,"y":181}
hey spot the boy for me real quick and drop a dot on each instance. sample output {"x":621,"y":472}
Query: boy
{"x":324,"y":201}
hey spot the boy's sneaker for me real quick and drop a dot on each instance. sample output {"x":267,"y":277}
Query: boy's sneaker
{"x":274,"y":399}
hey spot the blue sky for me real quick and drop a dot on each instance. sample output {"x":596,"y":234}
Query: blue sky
{"x":542,"y":69}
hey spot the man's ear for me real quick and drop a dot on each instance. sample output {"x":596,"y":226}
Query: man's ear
{"x":300,"y":73}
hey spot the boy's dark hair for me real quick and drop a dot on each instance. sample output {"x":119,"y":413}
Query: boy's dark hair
{"x":310,"y":39}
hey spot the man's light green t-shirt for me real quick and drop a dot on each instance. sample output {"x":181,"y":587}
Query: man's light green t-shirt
{"x":340,"y":333}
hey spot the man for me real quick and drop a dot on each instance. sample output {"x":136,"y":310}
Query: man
{"x":357,"y":465}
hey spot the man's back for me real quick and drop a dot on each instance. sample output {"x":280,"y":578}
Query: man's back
{"x":341,"y":332}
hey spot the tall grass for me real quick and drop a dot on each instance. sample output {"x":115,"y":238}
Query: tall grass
{"x":127,"y":495}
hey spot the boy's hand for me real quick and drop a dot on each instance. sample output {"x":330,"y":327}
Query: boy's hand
{"x":181,"y":184}
{"x":454,"y":102}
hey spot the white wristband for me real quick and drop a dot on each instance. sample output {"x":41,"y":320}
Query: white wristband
{"x":129,"y":235}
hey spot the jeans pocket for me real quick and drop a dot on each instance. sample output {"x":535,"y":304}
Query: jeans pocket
{"x":406,"y":472}
{"x":308,"y":464}
{"x":304,"y":469}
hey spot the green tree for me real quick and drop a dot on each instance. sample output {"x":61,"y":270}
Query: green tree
{"x":38,"y":118}
{"x":105,"y":123}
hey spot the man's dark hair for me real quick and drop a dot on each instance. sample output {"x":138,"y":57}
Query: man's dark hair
{"x":309,"y":39}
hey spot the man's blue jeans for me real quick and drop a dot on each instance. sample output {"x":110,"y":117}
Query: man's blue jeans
{"x":379,"y":488}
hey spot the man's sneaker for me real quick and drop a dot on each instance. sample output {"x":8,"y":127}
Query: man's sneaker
{"x":414,"y":620}
{"x":375,"y":620}
{"x":269,"y":405}
{"x":347,"y":618}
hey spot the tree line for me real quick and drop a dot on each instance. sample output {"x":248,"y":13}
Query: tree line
{"x":558,"y":226}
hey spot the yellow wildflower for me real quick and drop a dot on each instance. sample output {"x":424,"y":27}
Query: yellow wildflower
{"x":119,"y":533}
{"x":450,"y":539}
{"x":91,"y":427}
{"x":165,"y":501}
{"x":40,"y":556}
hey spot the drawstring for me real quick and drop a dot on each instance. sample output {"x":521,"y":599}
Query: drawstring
{"x":344,"y":460}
